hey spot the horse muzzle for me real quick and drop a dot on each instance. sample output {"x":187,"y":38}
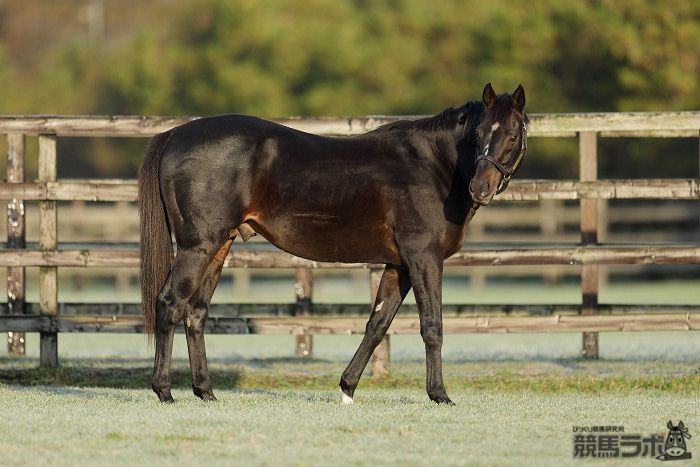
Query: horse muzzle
{"x":481,"y":195}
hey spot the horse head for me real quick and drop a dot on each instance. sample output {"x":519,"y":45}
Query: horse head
{"x":502,"y":143}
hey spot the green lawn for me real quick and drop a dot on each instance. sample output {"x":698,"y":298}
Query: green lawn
{"x":95,"y":426}
{"x":286,"y":411}
{"x":518,"y":395}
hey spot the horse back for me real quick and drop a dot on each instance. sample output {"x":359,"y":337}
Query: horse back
{"x":323,"y":198}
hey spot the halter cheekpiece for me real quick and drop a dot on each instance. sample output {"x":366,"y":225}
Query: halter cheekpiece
{"x":506,"y":172}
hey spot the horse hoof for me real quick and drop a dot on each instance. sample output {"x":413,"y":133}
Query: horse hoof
{"x":440,"y":399}
{"x":345,"y":399}
{"x":164,"y":395}
{"x":206,"y":395}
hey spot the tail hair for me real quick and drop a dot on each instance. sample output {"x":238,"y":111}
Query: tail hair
{"x":156,"y":242}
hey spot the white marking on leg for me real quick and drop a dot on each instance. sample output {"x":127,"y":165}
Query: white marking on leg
{"x":344,"y":398}
{"x":379,"y":307}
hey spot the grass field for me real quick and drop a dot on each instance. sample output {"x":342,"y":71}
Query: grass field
{"x":515,"y":401}
{"x":518,"y":396}
{"x":98,"y":426}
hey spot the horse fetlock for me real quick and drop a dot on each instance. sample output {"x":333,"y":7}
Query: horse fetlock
{"x":440,"y":397}
{"x":347,"y":387}
{"x":163,"y":392}
{"x":204,"y":392}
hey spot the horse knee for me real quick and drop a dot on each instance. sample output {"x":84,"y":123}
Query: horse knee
{"x":376,"y":329}
{"x":432,"y":335}
{"x":168,"y":314}
{"x":196,"y":319}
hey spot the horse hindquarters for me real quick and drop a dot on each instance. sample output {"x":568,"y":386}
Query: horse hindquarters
{"x":203,"y":240}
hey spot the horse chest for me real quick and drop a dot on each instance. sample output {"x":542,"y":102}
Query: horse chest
{"x":454,"y":240}
{"x":456,"y":234}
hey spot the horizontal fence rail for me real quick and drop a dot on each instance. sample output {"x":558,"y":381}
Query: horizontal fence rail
{"x":666,"y":124}
{"x":518,"y":190}
{"x":305,"y":318}
{"x":251,"y":257}
{"x":315,"y":325}
{"x":117,"y":310}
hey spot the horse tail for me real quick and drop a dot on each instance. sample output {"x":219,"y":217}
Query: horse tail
{"x":156,"y":243}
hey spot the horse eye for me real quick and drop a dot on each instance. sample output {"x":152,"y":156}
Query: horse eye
{"x":513,"y":138}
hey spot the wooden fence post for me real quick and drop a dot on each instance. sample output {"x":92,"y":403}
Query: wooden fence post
{"x":241,"y":282}
{"x":588,"y":153}
{"x":550,"y":210}
{"x":602,"y":237}
{"x":381,"y":357}
{"x":476,"y":274}
{"x":15,"y":239}
{"x":303,"y":288}
{"x":48,"y":276}
{"x":121,"y":276}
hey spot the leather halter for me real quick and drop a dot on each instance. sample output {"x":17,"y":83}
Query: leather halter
{"x":506,"y":172}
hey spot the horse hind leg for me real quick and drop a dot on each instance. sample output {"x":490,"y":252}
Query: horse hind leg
{"x":195,"y":319}
{"x":167,"y":318}
{"x":187,"y":274}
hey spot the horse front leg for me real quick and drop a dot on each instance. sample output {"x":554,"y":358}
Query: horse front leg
{"x":393,"y":288}
{"x":426,"y":278}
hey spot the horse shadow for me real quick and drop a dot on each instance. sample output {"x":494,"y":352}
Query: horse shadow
{"x":107,"y":373}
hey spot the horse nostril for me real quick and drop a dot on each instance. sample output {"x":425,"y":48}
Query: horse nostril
{"x":484,"y":193}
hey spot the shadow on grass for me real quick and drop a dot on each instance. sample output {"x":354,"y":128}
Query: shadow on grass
{"x":313,"y":374}
{"x":118,"y":376}
{"x":273,"y":361}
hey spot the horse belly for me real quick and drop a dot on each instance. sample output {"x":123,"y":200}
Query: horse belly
{"x":328,"y":238}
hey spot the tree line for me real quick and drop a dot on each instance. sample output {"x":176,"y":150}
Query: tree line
{"x":323,"y":57}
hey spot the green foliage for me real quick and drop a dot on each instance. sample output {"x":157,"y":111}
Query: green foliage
{"x":322,"y":57}
{"x":406,"y":56}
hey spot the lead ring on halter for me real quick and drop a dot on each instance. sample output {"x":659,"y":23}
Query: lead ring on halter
{"x":505,"y":171}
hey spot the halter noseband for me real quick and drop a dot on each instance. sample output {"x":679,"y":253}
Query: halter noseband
{"x":505,"y":171}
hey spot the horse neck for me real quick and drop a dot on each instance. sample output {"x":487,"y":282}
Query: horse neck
{"x":466,"y":148}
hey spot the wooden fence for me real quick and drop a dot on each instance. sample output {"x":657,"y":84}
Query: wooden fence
{"x":536,"y":221}
{"x":303,"y":318}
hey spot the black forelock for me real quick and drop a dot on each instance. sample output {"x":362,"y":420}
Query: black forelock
{"x":503,"y":109}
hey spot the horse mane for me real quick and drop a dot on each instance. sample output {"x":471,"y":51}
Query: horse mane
{"x":442,"y":120}
{"x":470,"y":114}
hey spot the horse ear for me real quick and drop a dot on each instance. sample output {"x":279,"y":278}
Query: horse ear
{"x":680,"y":424}
{"x":489,"y":96}
{"x":518,"y":98}
{"x":669,"y":425}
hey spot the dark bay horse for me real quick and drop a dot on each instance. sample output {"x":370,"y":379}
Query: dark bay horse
{"x":401,"y":195}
